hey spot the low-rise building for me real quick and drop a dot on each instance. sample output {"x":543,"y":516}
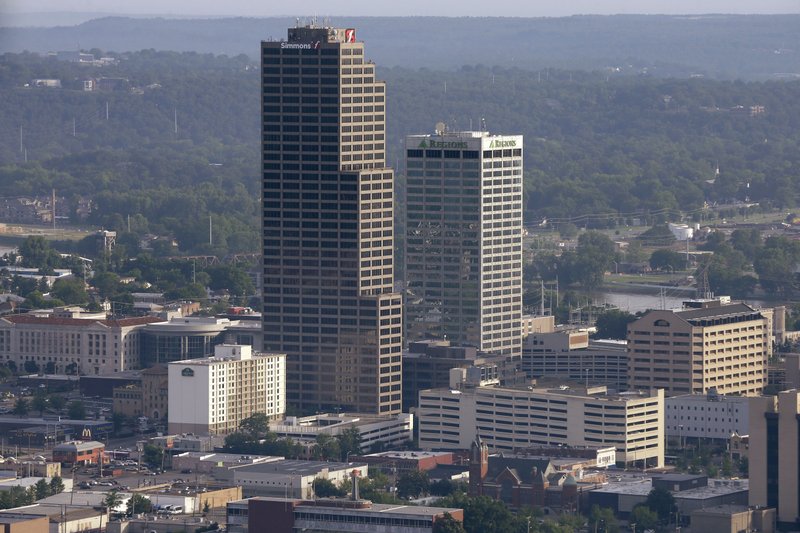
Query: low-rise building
{"x":287,"y":515}
{"x":290,"y":478}
{"x":520,"y":480}
{"x":733,"y":519}
{"x":60,"y":344}
{"x":182,"y":338}
{"x":509,"y":419}
{"x":390,"y":431}
{"x":706,"y":416}
{"x":690,"y":492}
{"x":203,"y":462}
{"x":213,"y":395}
{"x":399,"y":462}
{"x":79,"y":452}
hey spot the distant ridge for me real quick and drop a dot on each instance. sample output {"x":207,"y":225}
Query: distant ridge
{"x":720,"y":46}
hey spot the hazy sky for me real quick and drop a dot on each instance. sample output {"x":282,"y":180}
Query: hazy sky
{"x":527,"y":8}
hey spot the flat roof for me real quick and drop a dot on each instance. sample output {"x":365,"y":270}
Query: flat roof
{"x":325,"y":505}
{"x":409,"y":455}
{"x":295,"y":466}
{"x":642,"y":487}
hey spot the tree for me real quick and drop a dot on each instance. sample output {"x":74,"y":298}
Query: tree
{"x":644,"y":518}
{"x":41,"y":489}
{"x":662,"y":502}
{"x":602,"y":520}
{"x":483,"y":514}
{"x":39,"y":403}
{"x":57,"y":402}
{"x":37,"y":253}
{"x":613,"y":324}
{"x":56,"y":485}
{"x":31,"y":366}
{"x":325,"y":488}
{"x":112,"y":500}
{"x":138,"y":503}
{"x":657,"y":236}
{"x":448,"y":524}
{"x":256,"y":424}
{"x":76,"y":410}
{"x":412,"y":484}
{"x":326,"y":448}
{"x":70,"y":291}
{"x":349,"y":442}
{"x":21,"y":407}
{"x":666,"y":259}
{"x":152,"y":454}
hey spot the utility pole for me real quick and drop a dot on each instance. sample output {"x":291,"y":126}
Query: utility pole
{"x":106,"y":111}
{"x":54,"y":209}
{"x":210,"y":233}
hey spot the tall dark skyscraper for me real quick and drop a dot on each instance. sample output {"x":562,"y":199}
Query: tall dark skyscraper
{"x":328,"y":241}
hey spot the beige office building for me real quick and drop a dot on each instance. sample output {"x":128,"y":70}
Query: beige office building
{"x":463,"y":261}
{"x":775,"y":455}
{"x":328,"y":236}
{"x":212,"y":396}
{"x":712,"y":345}
{"x":509,"y":419}
{"x":65,"y":342}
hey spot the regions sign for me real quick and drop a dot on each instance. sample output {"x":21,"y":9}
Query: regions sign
{"x":443,"y":144}
{"x":503,"y":143}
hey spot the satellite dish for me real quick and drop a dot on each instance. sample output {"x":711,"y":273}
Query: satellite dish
{"x":440,"y":128}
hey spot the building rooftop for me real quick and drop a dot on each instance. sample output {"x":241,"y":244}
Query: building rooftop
{"x":79,"y":446}
{"x":80,"y":322}
{"x":296,"y":467}
{"x":716,"y":312}
{"x":724,"y":510}
{"x":360,"y":506}
{"x":409,"y":455}
{"x":642,"y":487}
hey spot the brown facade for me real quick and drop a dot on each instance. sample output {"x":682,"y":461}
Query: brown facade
{"x":328,"y":242}
{"x":725,"y":347}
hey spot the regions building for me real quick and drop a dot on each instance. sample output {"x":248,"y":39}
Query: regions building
{"x":328,"y":231}
{"x":464,"y":239}
{"x":774,"y":455}
{"x":510,"y":419}
{"x":287,"y":515}
{"x":710,"y":343}
{"x":213,"y":395}
{"x":706,"y":416}
{"x":61,"y":342}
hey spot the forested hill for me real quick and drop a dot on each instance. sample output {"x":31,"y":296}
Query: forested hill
{"x":718,"y":46}
{"x":595,"y":143}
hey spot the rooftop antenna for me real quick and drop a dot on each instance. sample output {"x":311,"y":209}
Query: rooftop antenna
{"x":483,"y":124}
